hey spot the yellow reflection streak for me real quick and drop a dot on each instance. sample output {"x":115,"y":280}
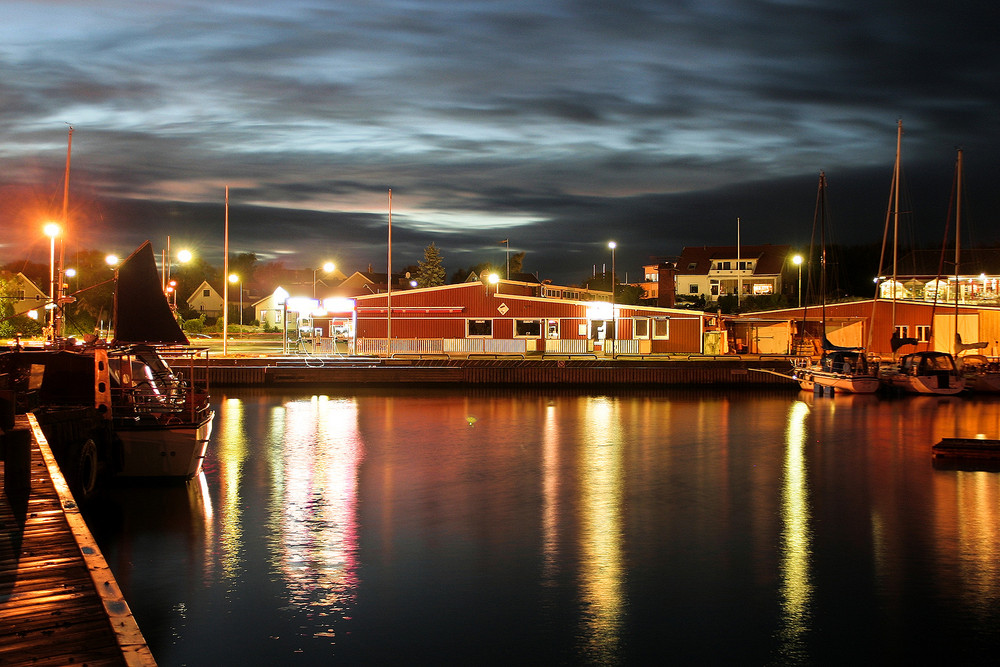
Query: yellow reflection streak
{"x":602,"y":570}
{"x":550,"y":495}
{"x":231,"y":447}
{"x":796,"y":588}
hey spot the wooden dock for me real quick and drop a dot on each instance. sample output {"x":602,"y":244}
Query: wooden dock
{"x":59,"y":602}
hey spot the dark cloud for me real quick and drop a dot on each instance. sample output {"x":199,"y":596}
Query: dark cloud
{"x":557,"y":125}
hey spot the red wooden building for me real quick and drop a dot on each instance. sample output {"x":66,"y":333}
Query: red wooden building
{"x":516,"y":318}
{"x":870,"y":324}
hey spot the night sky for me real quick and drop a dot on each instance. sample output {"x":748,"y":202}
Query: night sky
{"x":557,"y":125}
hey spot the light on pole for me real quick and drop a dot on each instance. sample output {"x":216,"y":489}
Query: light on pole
{"x":52,"y":230}
{"x":797,"y":261}
{"x":326,"y":269}
{"x":233,"y":278}
{"x":281,"y":296}
{"x":614,"y":320}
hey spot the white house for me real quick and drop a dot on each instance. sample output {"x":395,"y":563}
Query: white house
{"x":206,"y":300}
{"x":27,"y":296}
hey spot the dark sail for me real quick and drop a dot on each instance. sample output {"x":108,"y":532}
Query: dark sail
{"x":142,"y":314}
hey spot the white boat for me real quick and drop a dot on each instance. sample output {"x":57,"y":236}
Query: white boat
{"x":927,"y":372}
{"x":981,"y":375}
{"x":839,"y":370}
{"x":162,"y":420}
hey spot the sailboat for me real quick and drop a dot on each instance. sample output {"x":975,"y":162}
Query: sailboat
{"x":925,"y":371}
{"x":980,"y":374}
{"x":843,"y":369}
{"x":135,"y":407}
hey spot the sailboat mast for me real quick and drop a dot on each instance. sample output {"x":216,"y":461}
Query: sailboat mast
{"x":895,"y":218}
{"x":958,"y":238}
{"x":821,"y":203}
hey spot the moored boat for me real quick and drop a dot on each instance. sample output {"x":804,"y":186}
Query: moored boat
{"x":839,"y":370}
{"x":137,"y":407}
{"x":926,"y":372}
{"x":981,"y":375}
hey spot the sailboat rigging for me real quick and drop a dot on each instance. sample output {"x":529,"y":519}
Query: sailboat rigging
{"x":839,"y":368}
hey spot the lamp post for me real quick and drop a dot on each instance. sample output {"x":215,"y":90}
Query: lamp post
{"x":233,"y":278}
{"x":52,"y":230}
{"x":797,"y":261}
{"x":614,"y":320}
{"x":281,"y":295}
{"x":327,"y":269}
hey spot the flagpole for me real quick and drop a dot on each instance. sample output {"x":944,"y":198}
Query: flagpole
{"x":225,"y":283}
{"x":388,"y":293}
{"x":507,"y":241}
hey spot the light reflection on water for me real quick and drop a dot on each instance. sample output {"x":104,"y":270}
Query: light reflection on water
{"x":415,"y":527}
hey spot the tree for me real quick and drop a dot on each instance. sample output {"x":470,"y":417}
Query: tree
{"x":430,"y":272}
{"x":516,"y":262}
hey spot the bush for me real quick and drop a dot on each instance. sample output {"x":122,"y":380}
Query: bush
{"x":194,"y":326}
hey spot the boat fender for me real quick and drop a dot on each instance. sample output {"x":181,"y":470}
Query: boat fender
{"x":83,"y":474}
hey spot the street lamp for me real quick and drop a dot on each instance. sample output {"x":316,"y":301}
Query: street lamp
{"x":797,"y":261}
{"x":233,"y":278}
{"x":327,"y":269}
{"x":614,"y":321}
{"x":281,"y":296}
{"x":52,"y":230}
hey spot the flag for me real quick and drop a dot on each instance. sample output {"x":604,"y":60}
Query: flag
{"x":505,"y":241}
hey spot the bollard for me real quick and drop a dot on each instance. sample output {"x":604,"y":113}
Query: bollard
{"x":7,"y":407}
{"x":17,"y":462}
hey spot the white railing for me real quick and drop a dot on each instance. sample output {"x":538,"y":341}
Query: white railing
{"x":578,"y":346}
{"x":379,"y":346}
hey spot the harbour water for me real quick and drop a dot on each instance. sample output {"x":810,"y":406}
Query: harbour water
{"x":556,"y":527}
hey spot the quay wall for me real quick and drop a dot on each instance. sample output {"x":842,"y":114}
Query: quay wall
{"x":715,"y":371}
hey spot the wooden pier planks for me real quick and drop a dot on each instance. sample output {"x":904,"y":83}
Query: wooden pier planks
{"x":59,"y":603}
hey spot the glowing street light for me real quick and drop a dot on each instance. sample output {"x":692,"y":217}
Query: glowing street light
{"x":233,"y":278}
{"x":111,"y":260}
{"x":327,"y":269}
{"x":797,"y":261}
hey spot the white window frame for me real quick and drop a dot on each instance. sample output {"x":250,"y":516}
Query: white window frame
{"x":644,"y":322}
{"x":538,"y":321}
{"x":665,"y":323}
{"x":469,"y":322}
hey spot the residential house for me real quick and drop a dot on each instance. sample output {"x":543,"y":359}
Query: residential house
{"x":206,"y":300}
{"x":715,"y":271}
{"x":28,"y":297}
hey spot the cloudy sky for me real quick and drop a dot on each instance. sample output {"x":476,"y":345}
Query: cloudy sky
{"x":556,"y":124}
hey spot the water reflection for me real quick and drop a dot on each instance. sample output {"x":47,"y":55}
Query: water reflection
{"x":602,"y":570}
{"x":796,"y":586}
{"x":313,"y":512}
{"x":436,"y":527}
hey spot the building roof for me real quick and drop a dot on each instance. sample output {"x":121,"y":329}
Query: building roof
{"x":697,"y":260}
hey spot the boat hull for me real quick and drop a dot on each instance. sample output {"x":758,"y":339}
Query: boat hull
{"x":812,"y":380}
{"x":171,"y":450}
{"x":939,"y":384}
